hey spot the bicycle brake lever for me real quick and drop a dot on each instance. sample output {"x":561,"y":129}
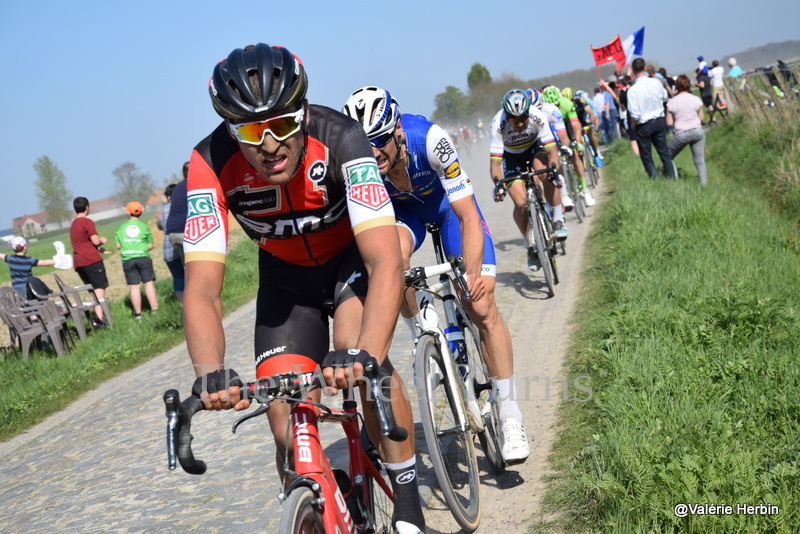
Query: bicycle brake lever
{"x":264,"y":408}
{"x":460,"y":269}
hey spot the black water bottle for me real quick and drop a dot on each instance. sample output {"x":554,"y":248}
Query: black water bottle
{"x":350,"y":497}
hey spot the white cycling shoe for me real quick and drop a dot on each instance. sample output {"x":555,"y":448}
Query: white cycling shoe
{"x":567,"y":203}
{"x":513,"y":442}
{"x":401,"y":527}
{"x":588,"y":199}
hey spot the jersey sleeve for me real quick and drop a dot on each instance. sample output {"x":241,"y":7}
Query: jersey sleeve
{"x":496,"y":143}
{"x":443,"y":159}
{"x":368,"y":203}
{"x":545,"y":134}
{"x":205,"y":235}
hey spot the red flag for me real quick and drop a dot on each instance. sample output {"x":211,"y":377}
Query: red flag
{"x":609,"y":53}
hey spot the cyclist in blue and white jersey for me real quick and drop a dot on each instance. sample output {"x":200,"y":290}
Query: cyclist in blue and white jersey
{"x":521,"y":138}
{"x":426,"y":183}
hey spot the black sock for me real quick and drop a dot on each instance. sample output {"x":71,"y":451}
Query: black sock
{"x":407,"y":507}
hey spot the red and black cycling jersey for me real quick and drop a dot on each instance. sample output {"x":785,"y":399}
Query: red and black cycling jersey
{"x":336,"y":193}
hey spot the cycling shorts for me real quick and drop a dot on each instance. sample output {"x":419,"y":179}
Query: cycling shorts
{"x":450,"y":227}
{"x":293,"y":304}
{"x":523,"y":161}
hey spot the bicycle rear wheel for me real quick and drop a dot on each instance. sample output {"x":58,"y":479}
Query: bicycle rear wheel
{"x":577,"y":200}
{"x":542,"y":246}
{"x":591,"y":168}
{"x":301,"y":514}
{"x":481,"y":389}
{"x":451,"y":449}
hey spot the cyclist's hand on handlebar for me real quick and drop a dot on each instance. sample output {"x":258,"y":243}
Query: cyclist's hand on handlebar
{"x":499,"y":193}
{"x":220,"y":390}
{"x":341,"y":368}
{"x":566,"y":151}
{"x":477,"y":289}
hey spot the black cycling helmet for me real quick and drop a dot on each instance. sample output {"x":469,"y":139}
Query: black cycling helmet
{"x":278,"y":76}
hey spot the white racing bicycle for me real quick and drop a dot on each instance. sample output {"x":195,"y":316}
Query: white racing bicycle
{"x":457,"y":396}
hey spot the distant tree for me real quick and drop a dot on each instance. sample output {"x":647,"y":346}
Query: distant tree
{"x":132,"y":184}
{"x":451,"y":106}
{"x":478,"y":77}
{"x":51,"y":190}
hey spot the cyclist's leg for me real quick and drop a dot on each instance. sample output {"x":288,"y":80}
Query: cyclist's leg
{"x":399,"y":457}
{"x":495,"y":338}
{"x":290,"y":319}
{"x":411,"y":231}
{"x":552,"y":194}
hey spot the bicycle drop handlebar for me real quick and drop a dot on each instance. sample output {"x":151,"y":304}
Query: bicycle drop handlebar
{"x":290,"y":387}
{"x":551,"y":171}
{"x":416,"y":276}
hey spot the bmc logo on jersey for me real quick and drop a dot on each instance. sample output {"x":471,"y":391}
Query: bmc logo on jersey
{"x":453,"y":170}
{"x":202,"y":217}
{"x":366,"y":185}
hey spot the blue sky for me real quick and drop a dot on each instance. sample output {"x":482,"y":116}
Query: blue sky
{"x":94,"y":84}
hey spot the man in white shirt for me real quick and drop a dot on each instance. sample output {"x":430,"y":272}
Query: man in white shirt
{"x":646,"y":110}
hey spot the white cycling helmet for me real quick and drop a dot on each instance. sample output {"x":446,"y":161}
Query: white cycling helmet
{"x":374,"y":108}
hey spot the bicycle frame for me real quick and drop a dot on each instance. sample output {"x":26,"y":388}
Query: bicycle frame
{"x":313,"y":470}
{"x":452,"y":306}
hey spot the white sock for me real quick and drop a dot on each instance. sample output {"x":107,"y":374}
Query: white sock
{"x":507,"y":398}
{"x":558,"y":213}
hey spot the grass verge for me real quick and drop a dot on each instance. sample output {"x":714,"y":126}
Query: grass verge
{"x":689,"y":332}
{"x":32,"y":389}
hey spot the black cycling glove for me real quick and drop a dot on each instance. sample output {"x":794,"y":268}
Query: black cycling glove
{"x":346,"y":358}
{"x":219,"y":380}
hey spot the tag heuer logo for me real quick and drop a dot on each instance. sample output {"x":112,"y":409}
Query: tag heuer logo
{"x":201,"y":217}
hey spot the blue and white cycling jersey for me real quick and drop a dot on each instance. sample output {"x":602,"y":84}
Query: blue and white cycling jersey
{"x":437,"y":179}
{"x":554,"y":118}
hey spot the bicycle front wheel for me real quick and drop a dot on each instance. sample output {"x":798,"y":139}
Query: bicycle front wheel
{"x":379,"y":506}
{"x":301,"y":514}
{"x":450,"y":443}
{"x":542,"y":246}
{"x":481,"y":391}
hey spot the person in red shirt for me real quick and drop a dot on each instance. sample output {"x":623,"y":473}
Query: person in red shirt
{"x":86,"y":248}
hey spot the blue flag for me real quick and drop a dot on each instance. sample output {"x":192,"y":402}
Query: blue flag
{"x":634,"y":44}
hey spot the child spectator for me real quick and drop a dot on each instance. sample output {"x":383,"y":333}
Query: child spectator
{"x":21,"y":265}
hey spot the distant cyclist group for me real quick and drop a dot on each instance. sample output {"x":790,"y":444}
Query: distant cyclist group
{"x":337,"y":203}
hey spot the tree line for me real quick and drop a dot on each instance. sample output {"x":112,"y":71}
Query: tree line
{"x":55,"y":197}
{"x":484,"y":96}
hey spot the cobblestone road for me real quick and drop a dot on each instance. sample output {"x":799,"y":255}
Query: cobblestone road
{"x":100,"y":465}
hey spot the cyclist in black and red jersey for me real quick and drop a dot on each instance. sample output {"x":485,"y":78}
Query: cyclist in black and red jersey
{"x":303,"y":183}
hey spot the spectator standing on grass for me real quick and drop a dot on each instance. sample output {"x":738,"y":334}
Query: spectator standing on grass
{"x":685,"y":112}
{"x":86,"y":248}
{"x":171,"y":257}
{"x":646,"y":109}
{"x":717,"y":85}
{"x":704,"y":84}
{"x":134,"y":240}
{"x":736,"y":70}
{"x":21,"y":265}
{"x":601,"y":107}
{"x":177,"y":215}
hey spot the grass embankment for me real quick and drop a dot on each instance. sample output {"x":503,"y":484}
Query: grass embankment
{"x":32,"y":389}
{"x":690,"y":333}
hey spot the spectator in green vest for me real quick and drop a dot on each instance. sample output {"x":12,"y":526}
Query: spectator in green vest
{"x":134,"y":240}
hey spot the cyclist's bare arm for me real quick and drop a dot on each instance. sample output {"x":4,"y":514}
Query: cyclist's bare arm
{"x":202,"y":321}
{"x":380,"y":250}
{"x":471,"y":244}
